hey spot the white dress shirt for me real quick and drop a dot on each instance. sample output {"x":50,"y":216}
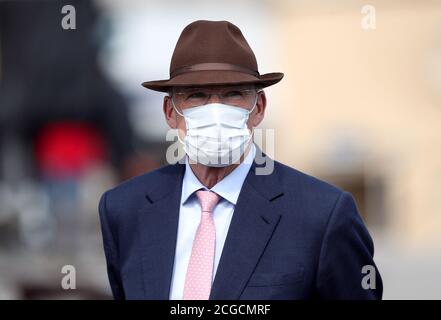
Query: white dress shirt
{"x":190,"y":216}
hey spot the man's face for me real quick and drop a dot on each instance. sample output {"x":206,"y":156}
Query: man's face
{"x":189,"y":97}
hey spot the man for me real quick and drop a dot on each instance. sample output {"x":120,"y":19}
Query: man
{"x":214,"y":226}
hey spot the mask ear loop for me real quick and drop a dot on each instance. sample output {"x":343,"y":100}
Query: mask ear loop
{"x":249,"y":112}
{"x":182,"y":115}
{"x":255,"y":103}
{"x":248,"y":116}
{"x":176,"y":109}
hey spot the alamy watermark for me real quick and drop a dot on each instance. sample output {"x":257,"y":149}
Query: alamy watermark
{"x":369,"y":18}
{"x":264,"y":163}
{"x":68,"y":21}
{"x":368,"y":281}
{"x":69,"y":281}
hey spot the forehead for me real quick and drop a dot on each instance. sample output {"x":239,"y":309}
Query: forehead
{"x":213,"y":88}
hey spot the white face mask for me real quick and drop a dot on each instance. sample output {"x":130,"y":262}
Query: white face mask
{"x":217,"y":134}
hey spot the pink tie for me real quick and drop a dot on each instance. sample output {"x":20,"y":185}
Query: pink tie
{"x":200,"y":268}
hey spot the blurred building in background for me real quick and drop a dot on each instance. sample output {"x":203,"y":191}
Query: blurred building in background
{"x":360,"y":108}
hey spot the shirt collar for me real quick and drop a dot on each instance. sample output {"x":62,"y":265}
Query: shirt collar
{"x":228,"y":188}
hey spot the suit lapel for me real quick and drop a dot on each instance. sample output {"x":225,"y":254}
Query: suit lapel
{"x":158,"y":226}
{"x":254,"y":221}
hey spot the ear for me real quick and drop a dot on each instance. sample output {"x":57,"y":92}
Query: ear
{"x":256,"y":117}
{"x":169,"y":112}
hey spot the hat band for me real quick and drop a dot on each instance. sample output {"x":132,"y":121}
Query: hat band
{"x":213,"y":66}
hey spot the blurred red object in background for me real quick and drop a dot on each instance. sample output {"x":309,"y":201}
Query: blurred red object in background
{"x":68,"y":148}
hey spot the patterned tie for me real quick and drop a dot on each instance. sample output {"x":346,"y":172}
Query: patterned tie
{"x":200,"y":268}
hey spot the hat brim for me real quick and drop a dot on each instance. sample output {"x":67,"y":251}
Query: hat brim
{"x":210,"y":77}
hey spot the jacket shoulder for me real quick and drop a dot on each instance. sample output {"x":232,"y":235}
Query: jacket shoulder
{"x":316,"y":198}
{"x":154,"y":182}
{"x":303,"y":182}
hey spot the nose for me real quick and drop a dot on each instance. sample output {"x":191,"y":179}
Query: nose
{"x":212,"y":98}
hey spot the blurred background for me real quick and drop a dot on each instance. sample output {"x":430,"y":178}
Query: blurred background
{"x":360,"y":107}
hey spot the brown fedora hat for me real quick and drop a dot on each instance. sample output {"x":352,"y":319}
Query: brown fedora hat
{"x":213,"y":53}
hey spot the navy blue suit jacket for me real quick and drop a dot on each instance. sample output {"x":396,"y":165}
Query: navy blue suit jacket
{"x":292,"y":236}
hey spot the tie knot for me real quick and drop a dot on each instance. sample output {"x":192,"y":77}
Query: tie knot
{"x":207,"y":199}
